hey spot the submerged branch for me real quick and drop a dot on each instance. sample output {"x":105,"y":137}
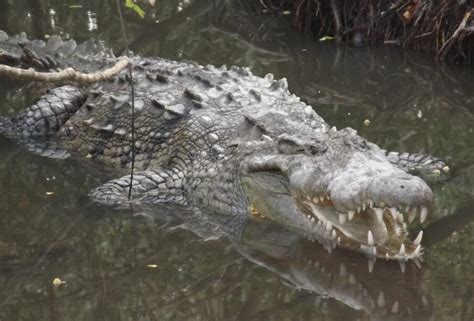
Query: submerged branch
{"x":68,"y":74}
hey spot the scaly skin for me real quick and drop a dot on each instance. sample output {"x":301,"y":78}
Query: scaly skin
{"x":222,"y":141}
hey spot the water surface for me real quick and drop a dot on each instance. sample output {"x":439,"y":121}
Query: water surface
{"x":127,"y":266}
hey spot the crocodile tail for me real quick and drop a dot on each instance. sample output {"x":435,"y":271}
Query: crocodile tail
{"x":5,"y":126}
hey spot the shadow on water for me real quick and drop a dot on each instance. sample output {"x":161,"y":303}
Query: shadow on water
{"x":171,"y":264}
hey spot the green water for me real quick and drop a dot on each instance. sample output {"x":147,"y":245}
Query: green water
{"x":128,"y":266}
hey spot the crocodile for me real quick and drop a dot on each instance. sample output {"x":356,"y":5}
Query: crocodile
{"x":223,"y":141}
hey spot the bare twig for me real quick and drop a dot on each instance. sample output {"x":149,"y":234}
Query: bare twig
{"x":450,"y":42}
{"x":68,"y":74}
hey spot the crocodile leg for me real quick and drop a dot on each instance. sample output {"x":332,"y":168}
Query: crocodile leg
{"x":45,"y":116}
{"x":417,"y":162}
{"x":149,"y":187}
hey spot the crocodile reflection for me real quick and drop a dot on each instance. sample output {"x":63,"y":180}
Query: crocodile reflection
{"x":382,"y":292}
{"x":385,"y":293}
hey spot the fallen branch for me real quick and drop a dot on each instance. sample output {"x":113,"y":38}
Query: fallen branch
{"x":68,"y":74}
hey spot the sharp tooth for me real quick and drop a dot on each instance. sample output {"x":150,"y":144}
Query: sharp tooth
{"x":417,"y":251}
{"x":315,"y":200}
{"x":417,"y":262}
{"x":328,"y":226}
{"x":358,"y":209}
{"x":371,"y":203}
{"x":400,"y":218}
{"x":352,"y":279}
{"x":387,"y":256}
{"x":321,"y":198}
{"x":395,"y":307}
{"x":308,"y":198}
{"x":381,"y":300}
{"x":411,"y":214}
{"x":363,"y":207}
{"x":350,"y":215}
{"x":342,"y":218}
{"x":308,"y":216}
{"x":334,"y":234}
{"x":338,"y":239}
{"x":423,"y":214}
{"x":402,"y":266}
{"x":424,"y":300}
{"x":343,"y":270}
{"x":379,"y":213}
{"x":402,"y":250}
{"x":328,"y":197}
{"x":393,"y":211}
{"x":313,"y":220}
{"x":371,"y":265}
{"x":418,"y":238}
{"x":382,"y":204}
{"x":370,"y":238}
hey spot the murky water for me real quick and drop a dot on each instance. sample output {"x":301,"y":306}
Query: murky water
{"x":119,"y":266}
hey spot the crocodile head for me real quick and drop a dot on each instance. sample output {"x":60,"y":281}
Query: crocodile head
{"x":336,"y":187}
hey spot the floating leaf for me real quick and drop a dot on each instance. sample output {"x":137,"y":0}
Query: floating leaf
{"x":326,"y":38}
{"x":57,"y":282}
{"x":135,"y":7}
{"x":286,"y":12}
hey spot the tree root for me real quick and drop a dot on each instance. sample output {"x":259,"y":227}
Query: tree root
{"x":444,"y":28}
{"x":68,"y":74}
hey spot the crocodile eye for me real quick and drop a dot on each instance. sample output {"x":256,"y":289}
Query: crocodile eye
{"x":313,"y":150}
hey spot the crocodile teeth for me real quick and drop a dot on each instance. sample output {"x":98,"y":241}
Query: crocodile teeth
{"x":402,"y":250}
{"x":395,"y":307}
{"x":381,"y":300}
{"x":321,"y":198}
{"x":411,"y":214}
{"x":315,"y":200}
{"x":343,"y":270}
{"x":371,"y":203}
{"x":350,"y":215}
{"x":417,"y":251}
{"x":400,"y":218}
{"x":313,"y":220}
{"x":370,"y":238}
{"x":379,"y":213}
{"x":402,"y":266}
{"x":334,"y":234}
{"x":359,"y":209}
{"x":342,"y":218}
{"x":371,"y":265}
{"x":393,"y":211}
{"x":423,"y":214}
{"x":418,"y":238}
{"x":363,"y":207}
{"x":328,"y":226}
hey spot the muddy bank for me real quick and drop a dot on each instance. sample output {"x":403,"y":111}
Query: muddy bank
{"x":444,"y":28}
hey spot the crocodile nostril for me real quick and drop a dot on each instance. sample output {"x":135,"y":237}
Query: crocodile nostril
{"x":402,"y":186}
